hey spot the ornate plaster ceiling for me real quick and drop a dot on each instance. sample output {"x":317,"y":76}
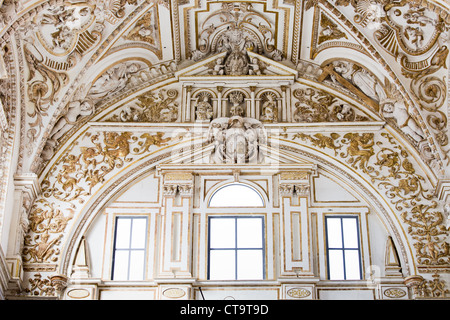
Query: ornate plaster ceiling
{"x":70,"y":60}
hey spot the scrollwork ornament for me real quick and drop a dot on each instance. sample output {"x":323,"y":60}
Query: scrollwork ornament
{"x":78,"y":173}
{"x":47,"y":222}
{"x":40,"y":286}
{"x":388,"y":166}
{"x":431,"y":94}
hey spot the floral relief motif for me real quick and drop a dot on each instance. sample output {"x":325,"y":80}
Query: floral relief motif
{"x":329,"y":30}
{"x":40,"y":286}
{"x":388,"y":166}
{"x":93,"y":163}
{"x":47,"y":224}
{"x":73,"y":179}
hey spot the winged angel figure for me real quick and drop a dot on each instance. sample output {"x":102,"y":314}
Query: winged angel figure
{"x":237,"y":140}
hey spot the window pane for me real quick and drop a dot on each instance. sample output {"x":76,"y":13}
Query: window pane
{"x":236,"y":195}
{"x":250,"y":265}
{"x":352,"y":270}
{"x":249,"y":233}
{"x":137,"y":263}
{"x":222,"y":232}
{"x":120,"y":271}
{"x":334,"y":234}
{"x":222,"y":265}
{"x":138,"y":235}
{"x":350,"y":232}
{"x":336,"y":265}
{"x":123,"y":229}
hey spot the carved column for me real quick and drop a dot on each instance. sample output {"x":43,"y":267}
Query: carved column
{"x":176,"y":229}
{"x":252,"y":102}
{"x":414,"y":283}
{"x":284,"y":108}
{"x":26,"y":190}
{"x":219,"y":102}
{"x":296,"y":249}
{"x":187,"y":111}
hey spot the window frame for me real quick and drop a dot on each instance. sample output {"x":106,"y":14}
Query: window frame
{"x":343,"y":248}
{"x":228,"y":185}
{"x":129,"y":249}
{"x":236,"y":249}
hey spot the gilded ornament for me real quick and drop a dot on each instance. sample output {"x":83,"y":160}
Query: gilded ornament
{"x":329,"y":30}
{"x":93,"y":163}
{"x":145,"y":28}
{"x":40,"y":286}
{"x":298,"y":293}
{"x":394,"y":293}
{"x":150,"y":107}
{"x":389,"y":168}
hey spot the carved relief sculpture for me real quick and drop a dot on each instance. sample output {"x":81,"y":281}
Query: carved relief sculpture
{"x":232,"y":28}
{"x":150,"y":107}
{"x":236,"y":99}
{"x":203,"y":109}
{"x":269,"y":108}
{"x":317,"y":106}
{"x":237,"y":140}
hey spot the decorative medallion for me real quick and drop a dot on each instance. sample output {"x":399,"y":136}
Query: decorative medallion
{"x":78,"y":293}
{"x":298,"y":293}
{"x":394,"y":293}
{"x":174,"y":293}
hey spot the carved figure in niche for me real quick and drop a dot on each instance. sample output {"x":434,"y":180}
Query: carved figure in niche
{"x":269,"y":109}
{"x":74,"y":110}
{"x":219,"y":67}
{"x":236,"y":98}
{"x":237,"y":140}
{"x":397,"y":110}
{"x":203,"y":109}
{"x":362,"y":79}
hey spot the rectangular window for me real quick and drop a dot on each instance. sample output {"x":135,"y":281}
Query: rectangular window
{"x":343,"y":249}
{"x":129,"y":248}
{"x":236,"y":248}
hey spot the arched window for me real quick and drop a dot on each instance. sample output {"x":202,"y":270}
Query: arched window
{"x":236,"y":195}
{"x":236,"y":242}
